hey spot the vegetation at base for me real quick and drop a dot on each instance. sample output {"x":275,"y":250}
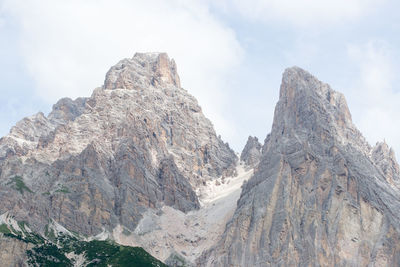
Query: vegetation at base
{"x":4,"y":229}
{"x":96,"y":253}
{"x":63,"y":189}
{"x":47,"y":254}
{"x":49,"y":233}
{"x":106,"y":253}
{"x":18,"y":184}
{"x":24,"y":236}
{"x":53,"y":250}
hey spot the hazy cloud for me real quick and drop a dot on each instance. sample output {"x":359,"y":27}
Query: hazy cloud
{"x":230,"y":61}
{"x":67,"y":46}
{"x":300,"y":13}
{"x":374,"y":95}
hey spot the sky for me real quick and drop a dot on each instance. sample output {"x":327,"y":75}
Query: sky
{"x":230,"y":55}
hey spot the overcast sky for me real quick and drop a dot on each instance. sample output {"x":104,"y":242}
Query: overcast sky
{"x":230,"y":55}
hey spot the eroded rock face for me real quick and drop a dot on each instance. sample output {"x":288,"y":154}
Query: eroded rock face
{"x":251,"y":153}
{"x":66,"y":110}
{"x":142,"y":71}
{"x":385,"y":159}
{"x":13,"y":251}
{"x":138,"y":142}
{"x":317,"y":198}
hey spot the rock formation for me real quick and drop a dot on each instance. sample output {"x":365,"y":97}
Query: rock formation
{"x":139,"y":142}
{"x":318,"y":197}
{"x":384,"y":158}
{"x":251,"y":153}
{"x":138,"y":162}
{"x":13,"y":252}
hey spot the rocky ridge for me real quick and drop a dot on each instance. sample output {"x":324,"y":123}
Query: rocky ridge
{"x":385,"y":160}
{"x":139,"y":142}
{"x":318,"y":197}
{"x":251,"y":153}
{"x":137,"y":162}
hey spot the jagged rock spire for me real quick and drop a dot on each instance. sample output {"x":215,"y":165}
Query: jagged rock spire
{"x":142,"y":71}
{"x":251,"y":153}
{"x":137,"y":143}
{"x":317,"y":198}
{"x":385,"y":159}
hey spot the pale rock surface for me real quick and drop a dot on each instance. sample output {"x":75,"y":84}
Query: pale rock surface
{"x":385,"y":159}
{"x":317,"y":198}
{"x":138,"y":162}
{"x":171,"y":232}
{"x":251,"y":153}
{"x":139,"y":142}
{"x":13,"y":251}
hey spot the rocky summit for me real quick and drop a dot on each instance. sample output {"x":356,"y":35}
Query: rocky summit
{"x":251,"y":153}
{"x":321,"y":195}
{"x":135,"y":175}
{"x":139,"y":142}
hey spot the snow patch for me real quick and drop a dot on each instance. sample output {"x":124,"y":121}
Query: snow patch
{"x":104,"y":235}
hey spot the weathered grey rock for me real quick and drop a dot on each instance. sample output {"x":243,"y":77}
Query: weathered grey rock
{"x":251,"y":153}
{"x":385,"y":159}
{"x":317,"y":198}
{"x":66,"y":110}
{"x":94,"y":163}
{"x":39,"y":130}
{"x":13,"y":252}
{"x":143,"y":71}
{"x":25,"y":135}
{"x":176,"y":260}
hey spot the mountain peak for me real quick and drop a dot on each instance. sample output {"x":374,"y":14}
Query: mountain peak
{"x":143,"y":70}
{"x":251,"y":153}
{"x":307,"y":105}
{"x":297,"y":81}
{"x":384,"y":158}
{"x":317,"y":196}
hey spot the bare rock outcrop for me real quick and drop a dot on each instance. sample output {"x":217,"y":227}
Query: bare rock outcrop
{"x":13,"y":251}
{"x":142,"y":71}
{"x":385,"y":159}
{"x":251,"y":153}
{"x":66,"y":110}
{"x":128,"y":162}
{"x":317,"y":198}
{"x":139,"y":142}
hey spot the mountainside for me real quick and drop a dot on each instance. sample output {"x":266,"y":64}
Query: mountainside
{"x":318,"y":197}
{"x":138,"y":143}
{"x":136,"y":168}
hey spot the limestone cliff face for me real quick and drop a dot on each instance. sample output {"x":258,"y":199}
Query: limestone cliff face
{"x":139,"y":142}
{"x":13,"y":251}
{"x":142,"y":71}
{"x":384,"y":158}
{"x":318,"y":197}
{"x":140,"y":147}
{"x":251,"y":153}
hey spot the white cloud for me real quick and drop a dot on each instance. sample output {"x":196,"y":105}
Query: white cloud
{"x":375,"y":100}
{"x":67,"y":46}
{"x":2,"y":20}
{"x":300,"y":12}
